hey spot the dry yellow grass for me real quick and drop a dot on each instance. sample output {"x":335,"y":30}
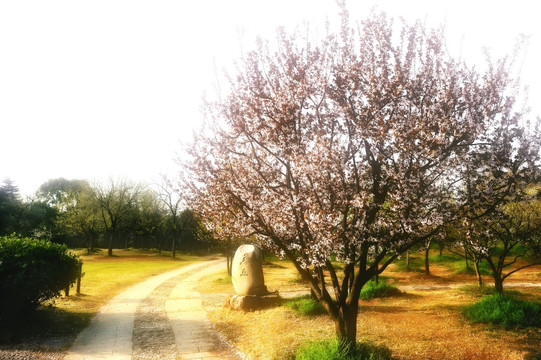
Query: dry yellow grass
{"x":421,"y":324}
{"x":266,"y":334}
{"x":428,"y":325}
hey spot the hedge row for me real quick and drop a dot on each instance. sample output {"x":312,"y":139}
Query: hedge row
{"x":33,"y":271}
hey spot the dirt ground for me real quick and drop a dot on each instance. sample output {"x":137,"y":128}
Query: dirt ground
{"x":425,"y":322}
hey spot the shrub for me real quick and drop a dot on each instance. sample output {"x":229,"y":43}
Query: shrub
{"x":306,"y":306}
{"x":33,"y":271}
{"x":373,"y":290}
{"x":332,"y":350}
{"x":505,"y":310}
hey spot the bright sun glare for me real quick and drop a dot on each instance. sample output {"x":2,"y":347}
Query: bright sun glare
{"x":109,"y":88}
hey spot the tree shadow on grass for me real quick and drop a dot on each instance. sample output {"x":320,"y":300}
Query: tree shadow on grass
{"x":526,"y":340}
{"x":408,"y":296}
{"x":45,"y":325}
{"x":272,"y":265}
{"x":452,"y":308}
{"x":384,"y":309}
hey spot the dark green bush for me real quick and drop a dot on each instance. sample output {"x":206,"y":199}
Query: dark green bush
{"x":332,"y":350}
{"x":505,"y":310}
{"x":382,"y":288}
{"x":306,"y":306}
{"x":33,"y":271}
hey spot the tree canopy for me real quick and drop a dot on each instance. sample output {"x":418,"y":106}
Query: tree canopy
{"x":324,"y":149}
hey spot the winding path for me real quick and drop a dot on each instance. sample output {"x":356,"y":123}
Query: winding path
{"x":160,"y":318}
{"x":163,"y":318}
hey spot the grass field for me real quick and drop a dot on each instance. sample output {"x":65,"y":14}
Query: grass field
{"x":424,"y":322}
{"x":106,"y":276}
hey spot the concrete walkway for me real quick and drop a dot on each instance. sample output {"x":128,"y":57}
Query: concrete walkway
{"x":194,"y":334}
{"x":109,"y":335}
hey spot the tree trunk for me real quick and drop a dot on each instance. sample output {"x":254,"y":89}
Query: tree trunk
{"x":427,"y":267}
{"x":351,"y":281}
{"x":229,"y":262}
{"x":173,"y":248}
{"x":376,"y":278}
{"x":408,"y":260}
{"x":478,"y":273}
{"x":110,"y":250}
{"x":88,"y":244}
{"x":231,"y":256}
{"x":79,"y":278}
{"x":498,"y":284}
{"x":93,"y":241}
{"x":346,"y":326}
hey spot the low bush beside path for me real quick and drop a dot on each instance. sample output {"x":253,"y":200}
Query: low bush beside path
{"x":48,"y":332}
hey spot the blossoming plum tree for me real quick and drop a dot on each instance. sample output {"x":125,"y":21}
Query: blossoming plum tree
{"x":497,"y":200}
{"x":500,"y":214}
{"x":325,"y":150}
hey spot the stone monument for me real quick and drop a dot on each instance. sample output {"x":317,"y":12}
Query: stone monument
{"x":247,"y":271}
{"x":248,"y":280}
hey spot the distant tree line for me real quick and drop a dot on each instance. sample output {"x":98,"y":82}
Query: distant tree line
{"x":112,"y":214}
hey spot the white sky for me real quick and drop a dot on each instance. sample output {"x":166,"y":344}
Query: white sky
{"x":91,"y":89}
